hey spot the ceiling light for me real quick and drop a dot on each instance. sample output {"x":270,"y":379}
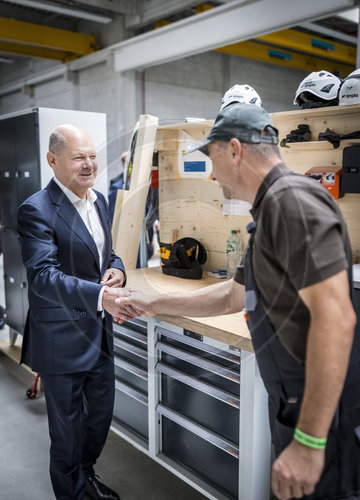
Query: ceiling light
{"x":79,"y":14}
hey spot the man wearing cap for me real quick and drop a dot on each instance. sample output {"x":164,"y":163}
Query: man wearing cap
{"x":296,"y":285}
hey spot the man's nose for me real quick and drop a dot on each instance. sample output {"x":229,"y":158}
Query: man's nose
{"x":212,"y":176}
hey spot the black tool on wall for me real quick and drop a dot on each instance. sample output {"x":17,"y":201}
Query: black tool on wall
{"x":351,"y":169}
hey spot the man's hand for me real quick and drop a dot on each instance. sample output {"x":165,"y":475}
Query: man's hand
{"x":296,"y":471}
{"x":108,"y":303}
{"x":137,"y":303}
{"x":113,"y":278}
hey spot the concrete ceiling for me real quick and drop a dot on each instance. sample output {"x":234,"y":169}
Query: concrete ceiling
{"x":139,"y":16}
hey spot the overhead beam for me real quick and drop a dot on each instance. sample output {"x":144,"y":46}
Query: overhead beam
{"x":35,"y":35}
{"x":329,"y":32}
{"x":66,"y":11}
{"x":150,"y":11}
{"x":289,"y":59}
{"x":316,"y":46}
{"x":38,"y":79}
{"x":224,"y":25}
{"x":28,"y":51}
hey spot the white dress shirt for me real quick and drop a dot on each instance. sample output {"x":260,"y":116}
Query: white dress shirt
{"x":91,"y":218}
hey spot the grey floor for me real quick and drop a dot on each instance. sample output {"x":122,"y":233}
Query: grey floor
{"x":24,"y":448}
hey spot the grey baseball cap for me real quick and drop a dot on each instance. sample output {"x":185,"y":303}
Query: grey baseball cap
{"x":245,"y":122}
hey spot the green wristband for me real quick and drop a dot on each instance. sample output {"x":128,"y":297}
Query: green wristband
{"x":310,"y":441}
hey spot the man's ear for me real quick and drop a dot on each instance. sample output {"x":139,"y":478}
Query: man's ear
{"x":236,"y":151}
{"x":51,"y":158}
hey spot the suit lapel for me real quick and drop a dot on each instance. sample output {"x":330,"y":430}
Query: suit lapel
{"x":105,"y":223}
{"x":69,"y":214}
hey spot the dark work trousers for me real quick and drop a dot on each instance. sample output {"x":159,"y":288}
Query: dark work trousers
{"x":80,"y":408}
{"x":284,"y":379}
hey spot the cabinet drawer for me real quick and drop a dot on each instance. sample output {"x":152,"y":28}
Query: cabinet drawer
{"x":212,"y":463}
{"x":131,"y":353}
{"x":204,"y":370}
{"x":136,"y":337}
{"x":131,"y":374}
{"x":199,"y":348}
{"x":206,"y":405}
{"x":131,"y":409}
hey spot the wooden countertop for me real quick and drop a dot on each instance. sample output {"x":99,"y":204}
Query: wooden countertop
{"x":230,"y":328}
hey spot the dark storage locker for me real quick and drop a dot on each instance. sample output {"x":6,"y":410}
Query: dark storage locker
{"x":19,"y":178}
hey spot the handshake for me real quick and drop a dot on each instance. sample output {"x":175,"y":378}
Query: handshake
{"x":122,"y":303}
{"x":125,"y":304}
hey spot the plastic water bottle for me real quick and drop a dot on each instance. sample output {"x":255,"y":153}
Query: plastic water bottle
{"x":233,"y":253}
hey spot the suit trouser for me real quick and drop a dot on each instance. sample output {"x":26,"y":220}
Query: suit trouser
{"x":80,"y":407}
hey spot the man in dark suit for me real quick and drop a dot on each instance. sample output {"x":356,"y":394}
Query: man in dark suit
{"x":73,"y":278}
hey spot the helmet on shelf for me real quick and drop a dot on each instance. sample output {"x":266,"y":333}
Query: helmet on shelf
{"x":318,"y":89}
{"x":240,"y":93}
{"x":349,"y":92}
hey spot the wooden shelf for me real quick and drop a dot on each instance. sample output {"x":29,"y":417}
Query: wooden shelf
{"x":307,"y":146}
{"x":325,"y":112}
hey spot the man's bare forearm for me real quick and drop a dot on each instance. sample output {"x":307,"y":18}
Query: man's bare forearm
{"x":214,"y":300}
{"x":326,"y":366}
{"x":298,"y":468}
{"x":330,"y":339}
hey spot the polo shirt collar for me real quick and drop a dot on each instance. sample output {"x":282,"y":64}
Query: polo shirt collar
{"x":277,"y":171}
{"x":90,"y":195}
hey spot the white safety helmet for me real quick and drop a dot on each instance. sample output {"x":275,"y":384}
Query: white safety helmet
{"x":319,"y":88}
{"x":240,"y":93}
{"x":349,"y":92}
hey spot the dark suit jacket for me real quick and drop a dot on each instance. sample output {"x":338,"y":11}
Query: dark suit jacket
{"x":63,"y":331}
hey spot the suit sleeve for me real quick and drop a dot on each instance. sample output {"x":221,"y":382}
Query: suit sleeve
{"x":39,"y":253}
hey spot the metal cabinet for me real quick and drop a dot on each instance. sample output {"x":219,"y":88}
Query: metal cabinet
{"x":24,"y":138}
{"x":199,"y":405}
{"x":131,"y":377}
{"x":19,"y":178}
{"x":195,"y":405}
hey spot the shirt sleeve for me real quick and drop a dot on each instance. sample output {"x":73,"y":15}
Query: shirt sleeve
{"x":306,"y":234}
{"x":99,"y":304}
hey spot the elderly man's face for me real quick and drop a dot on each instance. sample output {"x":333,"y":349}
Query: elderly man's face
{"x":222,"y":163}
{"x":76,"y":165}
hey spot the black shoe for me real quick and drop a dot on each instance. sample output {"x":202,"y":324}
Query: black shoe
{"x":96,"y":490}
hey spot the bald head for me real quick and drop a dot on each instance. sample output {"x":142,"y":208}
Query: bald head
{"x":72,"y":156}
{"x":59,"y":138}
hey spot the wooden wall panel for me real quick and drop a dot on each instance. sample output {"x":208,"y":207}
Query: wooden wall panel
{"x":340,"y":119}
{"x":193,"y":207}
{"x":299,"y":157}
{"x":130,"y":205}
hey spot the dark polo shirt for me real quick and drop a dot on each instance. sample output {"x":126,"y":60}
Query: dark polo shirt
{"x":301,"y":239}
